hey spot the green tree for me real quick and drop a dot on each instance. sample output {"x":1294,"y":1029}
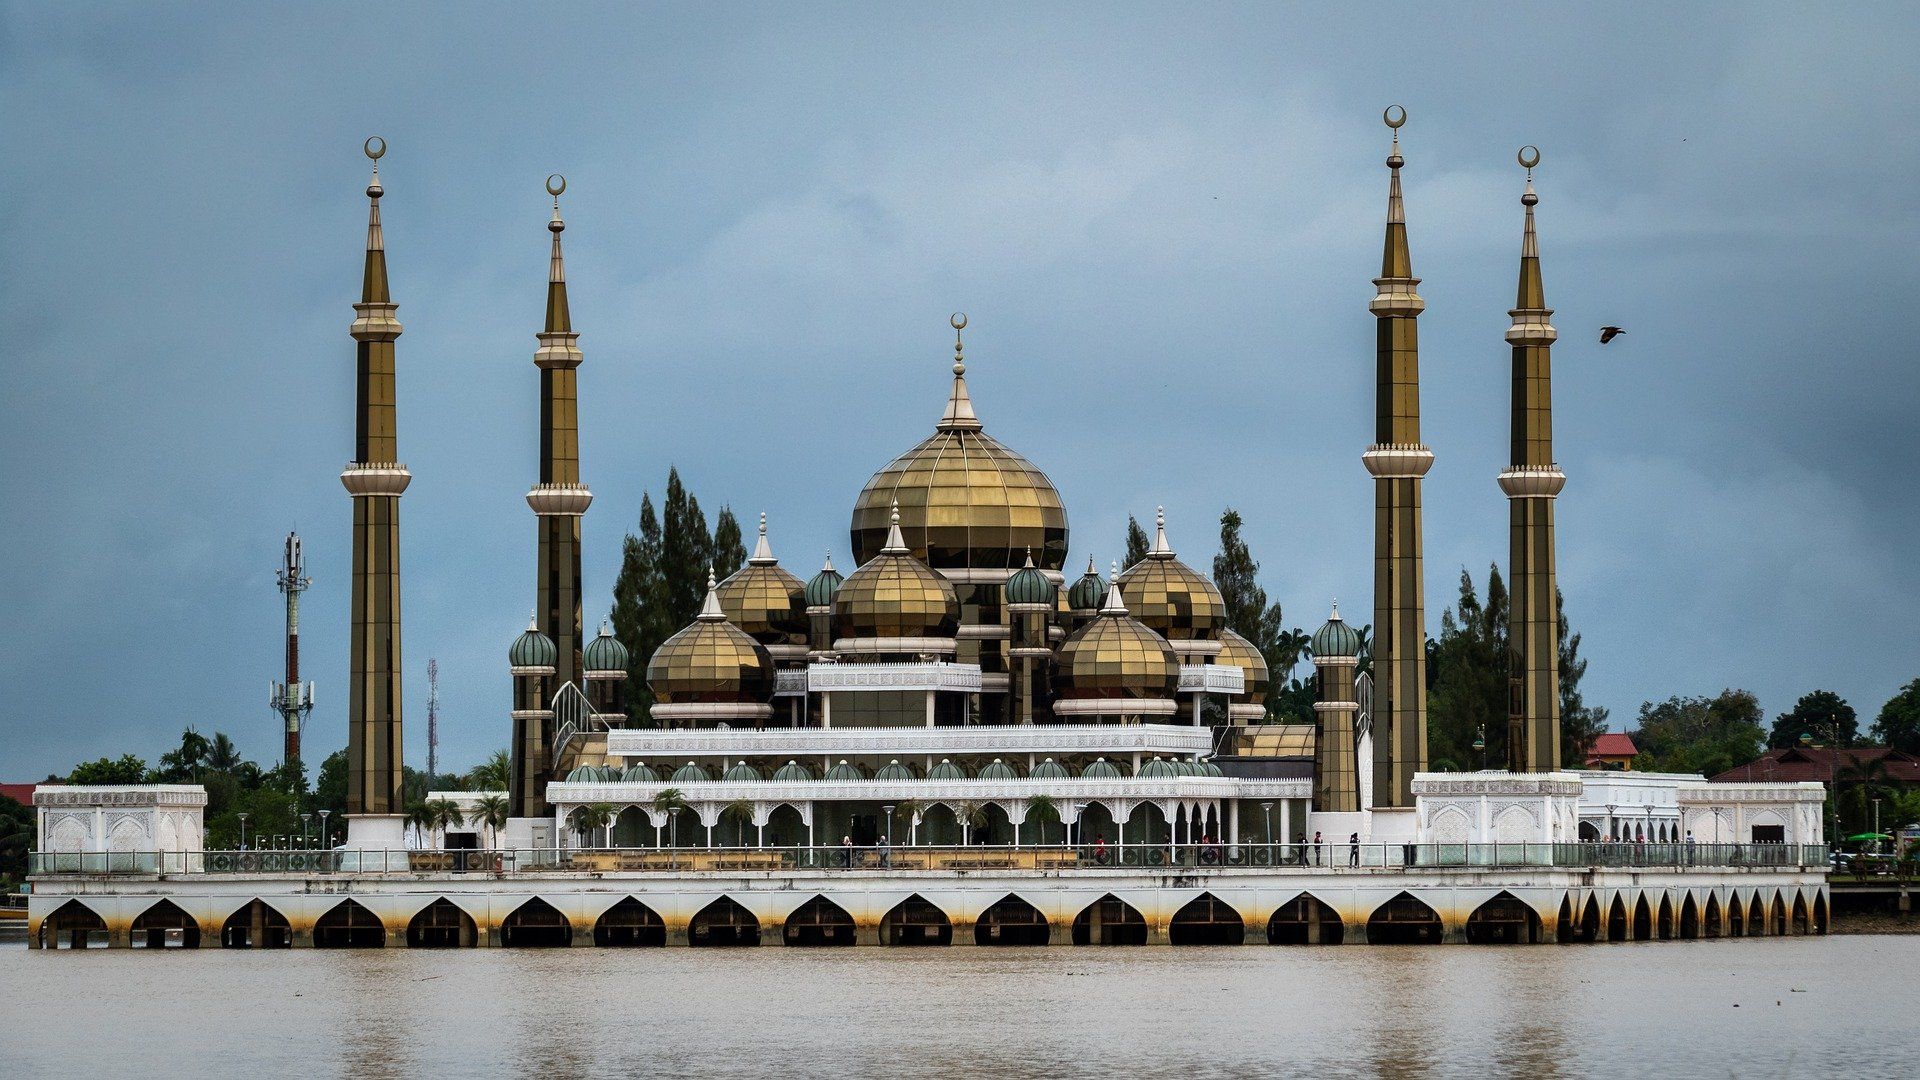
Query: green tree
{"x":184,"y":765}
{"x":739,"y":814}
{"x":1821,"y":713}
{"x":493,"y":774}
{"x":1041,"y":809}
{"x":126,"y":769}
{"x":1236,"y":574}
{"x":491,"y":811}
{"x":1898,"y":724}
{"x":330,"y":786}
{"x":729,"y":552}
{"x":1137,"y":543}
{"x":686,"y":552}
{"x":642,"y":616}
{"x":1580,"y":724}
{"x":16,"y":840}
{"x":1468,"y":666}
{"x":588,"y":820}
{"x":1697,"y":734}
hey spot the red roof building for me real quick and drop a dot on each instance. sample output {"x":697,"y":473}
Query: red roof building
{"x":1821,"y":764}
{"x":1612,"y":750}
{"x":20,"y":793}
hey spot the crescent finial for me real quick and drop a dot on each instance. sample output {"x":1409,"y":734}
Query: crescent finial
{"x":375,"y":147}
{"x":1388,"y":116}
{"x":556,"y":185}
{"x":1528,"y":157}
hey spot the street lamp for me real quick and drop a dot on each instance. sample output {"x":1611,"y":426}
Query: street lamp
{"x":243,"y":832}
{"x":1480,"y":746}
{"x":1267,"y":809}
{"x":326,"y":840}
{"x":305,"y":820}
{"x":889,"y":809}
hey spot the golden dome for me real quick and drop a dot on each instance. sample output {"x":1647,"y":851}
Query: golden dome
{"x":1239,"y":652}
{"x":1115,"y":656}
{"x":711,"y":660}
{"x":894,"y":595}
{"x":966,"y":501}
{"x":764,"y":600}
{"x":1171,"y":597}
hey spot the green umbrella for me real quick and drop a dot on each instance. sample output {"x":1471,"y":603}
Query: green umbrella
{"x":1870,"y":836}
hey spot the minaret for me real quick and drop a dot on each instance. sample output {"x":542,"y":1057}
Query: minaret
{"x":375,"y":479}
{"x":1336,"y":779}
{"x":558,"y":501}
{"x":1531,"y":483}
{"x":1397,"y":459}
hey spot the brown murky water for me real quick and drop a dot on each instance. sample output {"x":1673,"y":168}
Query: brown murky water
{"x":1762,"y":1008}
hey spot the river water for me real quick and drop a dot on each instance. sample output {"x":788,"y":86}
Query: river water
{"x":1762,"y":1008}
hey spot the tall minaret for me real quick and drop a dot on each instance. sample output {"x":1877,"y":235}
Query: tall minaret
{"x":558,"y":501}
{"x":1531,"y":483}
{"x":1397,"y":459}
{"x":375,"y":479}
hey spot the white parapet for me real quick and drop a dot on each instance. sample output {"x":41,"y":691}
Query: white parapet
{"x":84,"y":826}
{"x":1497,"y":807}
{"x":1040,"y":740}
{"x":1787,"y":813}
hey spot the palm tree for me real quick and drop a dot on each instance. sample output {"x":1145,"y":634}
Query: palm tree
{"x":444,"y":814}
{"x":970,"y":815}
{"x":1040,"y":810}
{"x":222,"y":755}
{"x":493,"y":774}
{"x":420,"y":819}
{"x":740,"y":813}
{"x":491,"y":811}
{"x":666,"y":802}
{"x":590,"y":819}
{"x":910,"y":809}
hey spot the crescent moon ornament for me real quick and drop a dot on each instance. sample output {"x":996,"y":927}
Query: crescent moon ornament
{"x":1528,"y":157}
{"x":375,"y":147}
{"x":958,"y":321}
{"x":556,"y":185}
{"x":1390,"y":119}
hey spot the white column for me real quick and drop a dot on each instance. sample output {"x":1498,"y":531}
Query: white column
{"x":929,"y":708}
{"x":826,"y":710}
{"x":1233,"y":825}
{"x":1286,"y":821}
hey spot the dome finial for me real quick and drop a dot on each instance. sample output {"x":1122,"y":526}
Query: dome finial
{"x":533,"y":619}
{"x":1116,"y":604}
{"x":1161,"y":549}
{"x":959,"y":415}
{"x":762,"y":550}
{"x":711,"y":611}
{"x":896,"y":542}
{"x":1335,"y":617}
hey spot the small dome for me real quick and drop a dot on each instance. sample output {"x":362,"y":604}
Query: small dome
{"x":1170,"y":597}
{"x":1208,"y":768}
{"x":1237,"y":651}
{"x":792,"y":772}
{"x":845,"y":771}
{"x":691,"y":773}
{"x":1159,"y":769}
{"x":608,"y":774}
{"x":1029,"y":586}
{"x":742,"y":773}
{"x":946,"y":770}
{"x":711,"y":661}
{"x":764,"y":600}
{"x":1087,"y":592}
{"x":894,"y":595}
{"x":605,"y":653}
{"x":640,"y":773}
{"x":1115,"y":656}
{"x":532,"y":648}
{"x":1048,"y":770}
{"x":1336,"y":638}
{"x":582,"y":774}
{"x":822,"y":586}
{"x":1100,"y":769}
{"x":893,"y":770}
{"x":998,"y":770}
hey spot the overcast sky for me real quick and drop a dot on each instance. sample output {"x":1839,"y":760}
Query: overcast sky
{"x":1163,"y":225}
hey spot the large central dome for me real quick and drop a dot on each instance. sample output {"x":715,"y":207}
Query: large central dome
{"x":966,"y":501}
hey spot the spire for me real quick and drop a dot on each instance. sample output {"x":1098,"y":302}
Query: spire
{"x":1532,"y":295}
{"x":373,"y":284}
{"x":1335,"y":617}
{"x":959,"y":415}
{"x":710,"y":611}
{"x":896,"y":544}
{"x":1116,"y":604}
{"x":558,"y":319}
{"x":533,"y":621}
{"x":827,"y":567}
{"x":1161,"y":549}
{"x":1395,"y":286}
{"x":762,"y":551}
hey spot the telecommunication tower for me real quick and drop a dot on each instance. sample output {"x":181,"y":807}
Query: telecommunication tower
{"x":293,"y":699}
{"x":433,"y":719}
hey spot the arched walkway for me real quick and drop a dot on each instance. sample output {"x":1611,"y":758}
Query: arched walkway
{"x":349,"y":926}
{"x":153,"y":927}
{"x":1642,"y":920}
{"x":1403,"y":920}
{"x":723,"y":924}
{"x":1109,"y":921}
{"x":1094,"y":827}
{"x":785,"y":829}
{"x":1689,"y":919}
{"x":819,"y":921}
{"x":913,"y":921}
{"x":633,"y":828}
{"x":1011,"y":921}
{"x":73,"y":925}
{"x":996,"y":829}
{"x":1503,"y":920}
{"x":1617,"y":919}
{"x":629,"y":923}
{"x":1206,"y":920}
{"x":256,"y":926}
{"x":1305,"y":920}
{"x":938,"y":827}
{"x":441,"y":925}
{"x":536,"y":924}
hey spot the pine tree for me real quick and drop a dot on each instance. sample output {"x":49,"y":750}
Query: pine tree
{"x":1579,"y":725}
{"x":641,"y":619}
{"x":686,"y":550}
{"x":1137,"y":543}
{"x":729,"y":550}
{"x":1468,"y":668}
{"x":1236,"y":574}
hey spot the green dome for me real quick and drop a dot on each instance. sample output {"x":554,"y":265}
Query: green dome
{"x":609,"y":774}
{"x":1029,"y":586}
{"x":792,"y":772}
{"x":605,"y":653}
{"x":1208,"y":768}
{"x":820,"y":590}
{"x":998,"y":770}
{"x":893,"y":770}
{"x":691,"y":773}
{"x":1336,"y":638}
{"x":1048,"y":770}
{"x":1089,"y":592}
{"x":640,"y":773}
{"x":582,"y":774}
{"x":1158,"y":769}
{"x":844,"y":771}
{"x":743,"y":773}
{"x":946,"y":770}
{"x":1100,"y":769}
{"x":532,"y":648}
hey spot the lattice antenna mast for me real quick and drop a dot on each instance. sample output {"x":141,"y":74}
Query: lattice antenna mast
{"x":433,"y":719}
{"x":292,"y":699}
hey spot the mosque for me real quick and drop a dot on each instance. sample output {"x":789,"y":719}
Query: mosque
{"x":961,"y":732}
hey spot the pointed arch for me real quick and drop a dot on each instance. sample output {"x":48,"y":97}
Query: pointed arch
{"x":1736,"y":915}
{"x":1563,"y":923}
{"x":1779,"y":916}
{"x":348,"y":925}
{"x":1819,"y":912}
{"x":1689,"y":919}
{"x":1589,"y":929}
{"x":632,"y":828}
{"x":914,"y":921}
{"x":1305,"y":920}
{"x":1504,"y":919}
{"x":786,"y":827}
{"x":629,"y":924}
{"x":1404,"y":920}
{"x":1642,"y":919}
{"x":536,"y":924}
{"x":1757,"y":916}
{"x":441,"y":925}
{"x":1665,"y":927}
{"x":153,"y":927}
{"x":1617,"y":919}
{"x":1011,"y":921}
{"x":1802,"y":923}
{"x":938,"y":826}
{"x":72,"y":925}
{"x":257,"y":925}
{"x":819,"y":921}
{"x":1710,"y":926}
{"x":1206,"y":920}
{"x":723,"y":924}
{"x":1109,"y":921}
{"x":1097,"y":834}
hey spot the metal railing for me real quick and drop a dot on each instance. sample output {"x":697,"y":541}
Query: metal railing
{"x":1035,"y":857}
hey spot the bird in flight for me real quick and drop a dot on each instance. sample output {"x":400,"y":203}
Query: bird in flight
{"x":1608,"y":333}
